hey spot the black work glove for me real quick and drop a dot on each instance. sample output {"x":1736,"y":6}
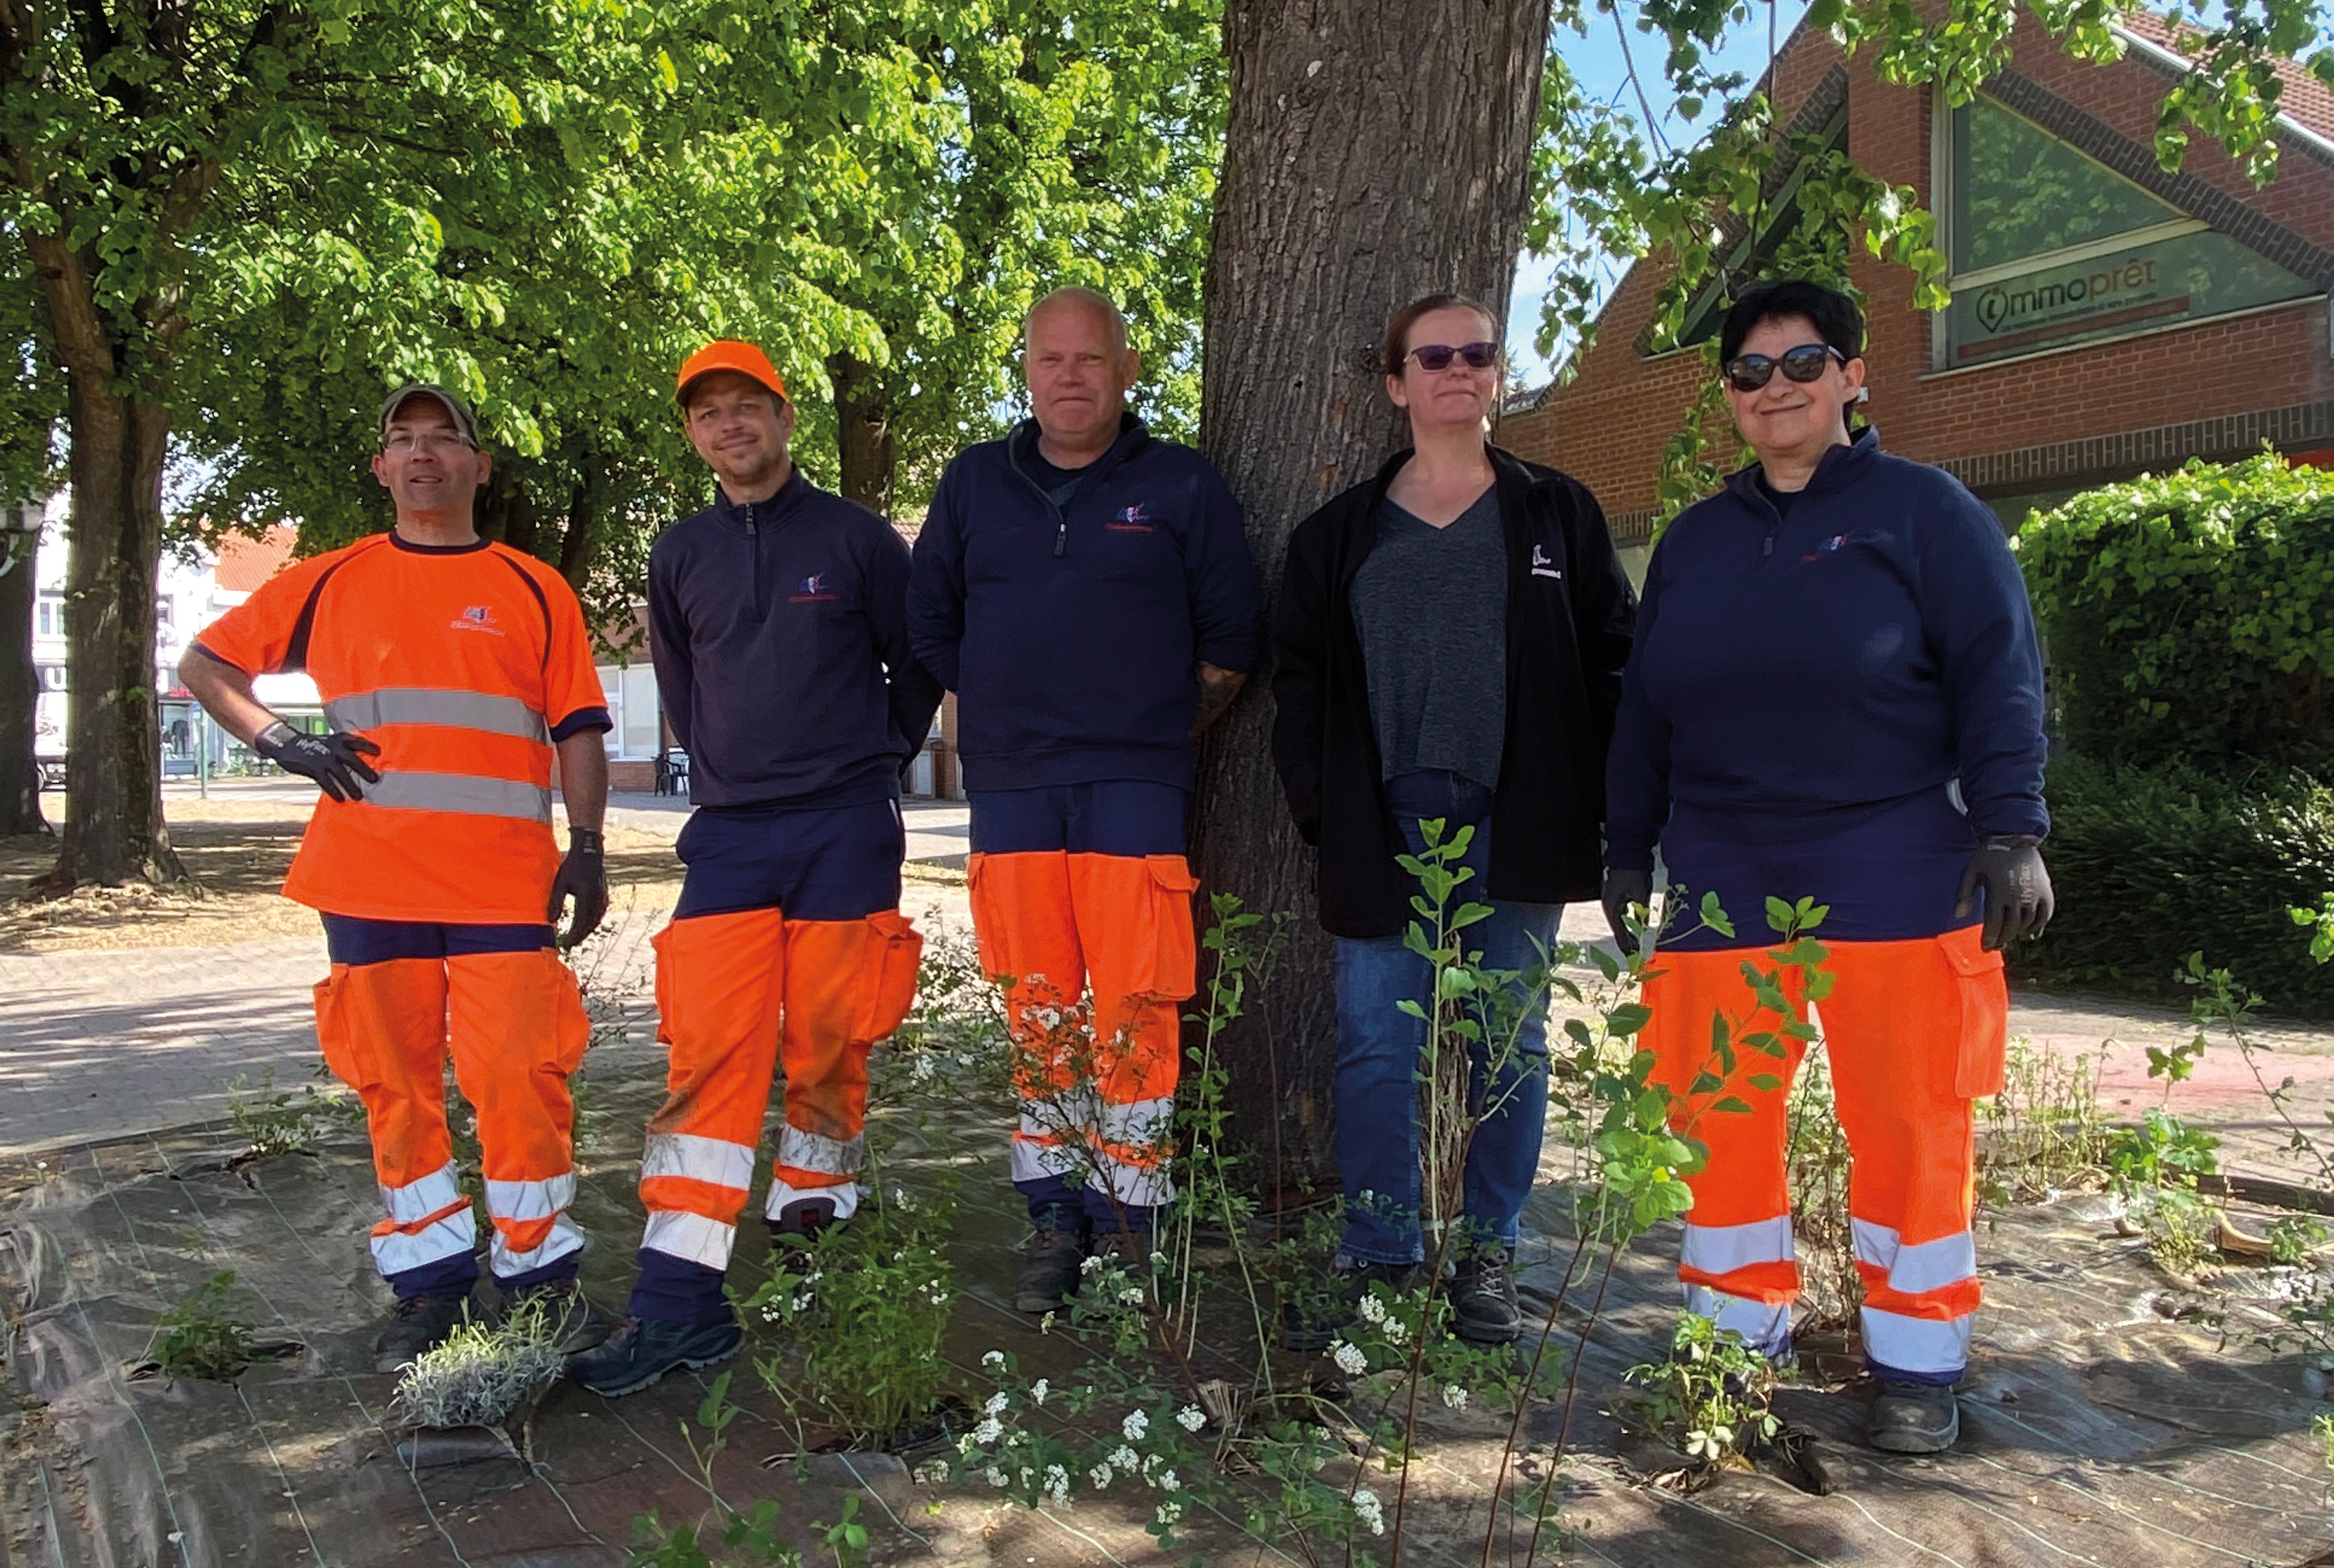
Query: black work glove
{"x":2018,"y":902}
{"x":334,"y":762}
{"x":1623,"y":888}
{"x":583,"y":877}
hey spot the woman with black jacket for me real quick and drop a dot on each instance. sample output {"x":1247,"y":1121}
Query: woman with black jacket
{"x":1450,"y":641}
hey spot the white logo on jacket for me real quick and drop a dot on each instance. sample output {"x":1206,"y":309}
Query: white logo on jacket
{"x":1541,"y":566}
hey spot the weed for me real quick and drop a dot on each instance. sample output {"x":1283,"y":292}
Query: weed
{"x":2322,"y":1429}
{"x":2154,"y":1168}
{"x":274,"y":1121}
{"x":1709,"y":1399}
{"x":1830,"y":1288}
{"x":199,"y":1340}
{"x":482,"y":1373}
{"x":2292,"y":1237}
{"x":751,"y":1537}
{"x":2043,"y":1134}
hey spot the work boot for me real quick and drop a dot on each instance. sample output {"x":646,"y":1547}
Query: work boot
{"x":1482,"y":1294}
{"x":416,"y":1323}
{"x":643,"y":1350}
{"x":1309,"y":1322}
{"x":1049,"y":1270}
{"x":801,"y":1221}
{"x":1912,"y":1417}
{"x":569,"y":1323}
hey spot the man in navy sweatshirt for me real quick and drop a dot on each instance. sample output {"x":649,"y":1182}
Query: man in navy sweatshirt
{"x":777,"y":619}
{"x":1087,"y":592}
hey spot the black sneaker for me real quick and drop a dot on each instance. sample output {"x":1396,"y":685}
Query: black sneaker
{"x":568,"y":1319}
{"x":416,"y":1323}
{"x":643,"y":1350}
{"x":1483,"y":1293}
{"x":1914,"y":1418}
{"x":1049,"y":1271}
{"x":1310,"y":1320}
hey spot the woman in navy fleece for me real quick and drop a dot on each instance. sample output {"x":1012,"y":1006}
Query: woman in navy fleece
{"x":1835,"y":694}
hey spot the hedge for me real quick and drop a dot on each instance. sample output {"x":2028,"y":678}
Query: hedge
{"x":2191,"y":615}
{"x":2151,"y":863}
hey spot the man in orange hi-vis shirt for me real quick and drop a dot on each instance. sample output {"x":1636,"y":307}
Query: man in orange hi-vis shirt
{"x":452,"y":670}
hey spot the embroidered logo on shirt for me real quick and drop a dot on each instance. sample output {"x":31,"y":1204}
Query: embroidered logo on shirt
{"x":1541,"y":566}
{"x":1132,"y":520}
{"x":1836,"y":541}
{"x":477,"y":617}
{"x":813,"y":590}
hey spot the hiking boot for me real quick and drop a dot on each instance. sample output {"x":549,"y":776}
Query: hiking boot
{"x":1130,"y":1250}
{"x":1912,"y":1417}
{"x":1049,"y":1270}
{"x":416,"y":1323}
{"x":643,"y":1350}
{"x":569,"y":1322}
{"x":801,"y":1221}
{"x":1310,"y":1320}
{"x":1482,"y":1294}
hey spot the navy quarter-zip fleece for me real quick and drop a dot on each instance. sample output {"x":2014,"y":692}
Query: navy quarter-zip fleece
{"x":1072,"y":635}
{"x":1799,"y":673}
{"x":780,"y":632}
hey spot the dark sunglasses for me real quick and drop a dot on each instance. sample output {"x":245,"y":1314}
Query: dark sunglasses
{"x":1808,"y":362}
{"x":1438,"y":356}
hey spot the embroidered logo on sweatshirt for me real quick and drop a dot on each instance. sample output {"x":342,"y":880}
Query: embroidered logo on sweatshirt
{"x":1541,"y":566}
{"x":1836,"y":541}
{"x":1132,"y":520}
{"x":813,"y":590}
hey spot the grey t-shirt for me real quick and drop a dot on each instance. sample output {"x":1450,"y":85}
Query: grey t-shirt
{"x":1431,"y":607}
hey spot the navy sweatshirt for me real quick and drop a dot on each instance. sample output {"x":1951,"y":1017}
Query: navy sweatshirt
{"x":1072,"y":635}
{"x":1800,"y":673}
{"x":780,"y":636}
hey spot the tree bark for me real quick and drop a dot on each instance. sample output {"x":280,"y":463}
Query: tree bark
{"x":19,"y":684}
{"x":864,"y":441}
{"x":1374,"y":152}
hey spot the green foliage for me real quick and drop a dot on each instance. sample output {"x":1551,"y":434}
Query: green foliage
{"x":2043,"y":1133}
{"x":2191,"y":615}
{"x":2152,"y":863}
{"x":2154,"y":1168}
{"x":274,"y":1121}
{"x":1709,"y":1397}
{"x":482,"y":1373}
{"x":198,"y":1339}
{"x":746,"y":1535}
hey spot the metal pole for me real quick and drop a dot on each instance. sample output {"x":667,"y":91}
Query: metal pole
{"x":202,"y":752}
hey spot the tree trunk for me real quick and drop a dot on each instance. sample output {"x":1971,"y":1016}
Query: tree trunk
{"x":19,"y":684}
{"x":579,"y":542}
{"x":505,"y":511}
{"x":1374,"y":152}
{"x":114,"y":829}
{"x":869,"y":450}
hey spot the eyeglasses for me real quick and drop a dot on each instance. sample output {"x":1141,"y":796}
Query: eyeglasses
{"x":1438,"y":356}
{"x":404,"y":441}
{"x":1808,"y":362}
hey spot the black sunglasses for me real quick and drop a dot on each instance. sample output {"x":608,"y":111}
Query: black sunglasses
{"x":1808,"y":362}
{"x":1438,"y":356}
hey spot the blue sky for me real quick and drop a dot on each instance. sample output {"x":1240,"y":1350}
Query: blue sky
{"x":1598,"y":61}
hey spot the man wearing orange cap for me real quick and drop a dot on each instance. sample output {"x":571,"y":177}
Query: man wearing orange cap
{"x":452,"y":670}
{"x":777,"y":619}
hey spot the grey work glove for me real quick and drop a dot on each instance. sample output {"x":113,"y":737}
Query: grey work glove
{"x":334,"y":762}
{"x":2008,"y":867}
{"x":1623,"y":888}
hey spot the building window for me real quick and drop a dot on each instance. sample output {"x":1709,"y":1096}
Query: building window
{"x":49,"y":615}
{"x":2049,"y":248}
{"x":631,"y":692}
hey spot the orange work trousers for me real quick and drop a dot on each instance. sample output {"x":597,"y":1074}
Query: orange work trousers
{"x":516,"y":1030}
{"x":738,"y":994}
{"x":1915,"y":1030}
{"x":1098,"y":1091}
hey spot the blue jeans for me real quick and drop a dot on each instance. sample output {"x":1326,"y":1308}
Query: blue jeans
{"x":1379,"y":1047}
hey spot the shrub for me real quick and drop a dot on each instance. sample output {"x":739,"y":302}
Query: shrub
{"x":2151,"y":864}
{"x":2191,"y":615}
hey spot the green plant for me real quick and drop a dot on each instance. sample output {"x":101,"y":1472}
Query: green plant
{"x":2322,"y":1429}
{"x":1830,"y":1288}
{"x":2153,"y":862}
{"x":2154,"y":1168}
{"x":274,"y":1121}
{"x":482,"y":1373}
{"x":750,"y":1537}
{"x":2292,"y":1237}
{"x":197,"y":1339}
{"x":1709,"y":1397}
{"x":863,"y":1307}
{"x":2191,"y":615}
{"x":2043,"y":1133}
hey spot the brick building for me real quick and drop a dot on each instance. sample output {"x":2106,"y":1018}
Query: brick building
{"x":2108,"y":318}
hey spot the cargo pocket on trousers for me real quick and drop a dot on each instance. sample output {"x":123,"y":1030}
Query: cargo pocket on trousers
{"x":988,"y":925}
{"x":338,"y":1037}
{"x":897,"y":947}
{"x":1174,"y":945}
{"x":1979,"y":1064}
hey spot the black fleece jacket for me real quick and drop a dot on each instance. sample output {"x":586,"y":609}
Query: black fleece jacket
{"x":1570,"y":613}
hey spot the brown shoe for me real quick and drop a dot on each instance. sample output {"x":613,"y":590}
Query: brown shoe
{"x":1049,"y":1271}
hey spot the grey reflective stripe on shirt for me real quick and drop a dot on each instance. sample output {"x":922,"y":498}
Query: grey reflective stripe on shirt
{"x":451,"y":709}
{"x":466,"y":793}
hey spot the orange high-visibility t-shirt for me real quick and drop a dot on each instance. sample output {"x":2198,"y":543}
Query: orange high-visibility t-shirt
{"x":465,"y":664}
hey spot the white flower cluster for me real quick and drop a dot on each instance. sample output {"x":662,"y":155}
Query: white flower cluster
{"x":1101,"y":1476}
{"x":993,"y":1360}
{"x":1191,"y":1417}
{"x":1372,"y":1310}
{"x":988,"y":1432}
{"x":1057,"y":1486}
{"x":1038,"y":1391}
{"x":1135,"y":1425}
{"x":997,"y":1403}
{"x":1171,"y":1510}
{"x":1395,"y":1330}
{"x":1369,"y":1511}
{"x":1454,"y":1396}
{"x":1130,"y":1296}
{"x":1349,"y":1358}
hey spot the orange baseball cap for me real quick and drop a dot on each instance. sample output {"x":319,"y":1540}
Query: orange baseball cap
{"x":728,"y":354}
